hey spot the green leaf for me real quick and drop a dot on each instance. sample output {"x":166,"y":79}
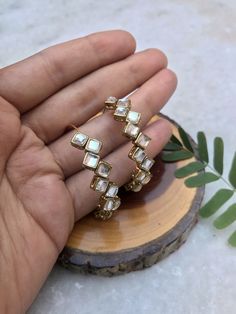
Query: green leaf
{"x":227,"y":218}
{"x":201,"y":179}
{"x":232,"y":173}
{"x":185,"y":139}
{"x":202,"y":147}
{"x":176,"y":155}
{"x":189,"y":169}
{"x":175,"y":140}
{"x":232,"y":239}
{"x":215,"y":203}
{"x":172,"y":146}
{"x":218,"y":155}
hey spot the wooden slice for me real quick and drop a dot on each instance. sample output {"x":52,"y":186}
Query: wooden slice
{"x":147,"y":227}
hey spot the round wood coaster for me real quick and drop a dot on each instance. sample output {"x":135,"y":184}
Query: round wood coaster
{"x":147,"y":227}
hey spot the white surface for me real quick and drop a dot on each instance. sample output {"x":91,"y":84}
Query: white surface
{"x":199,"y":38}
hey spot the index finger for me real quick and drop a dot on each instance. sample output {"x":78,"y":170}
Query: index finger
{"x":27,"y":83}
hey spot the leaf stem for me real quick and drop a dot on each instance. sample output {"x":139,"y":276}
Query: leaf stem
{"x":220,"y":176}
{"x":184,"y":148}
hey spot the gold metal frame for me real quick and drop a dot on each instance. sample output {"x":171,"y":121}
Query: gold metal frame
{"x":100,"y":182}
{"x":139,"y":139}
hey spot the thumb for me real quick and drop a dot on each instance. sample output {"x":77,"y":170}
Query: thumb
{"x":9,"y":131}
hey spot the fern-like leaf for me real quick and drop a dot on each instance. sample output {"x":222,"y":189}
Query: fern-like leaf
{"x":172,"y":147}
{"x":232,"y":173}
{"x":175,"y":140}
{"x":219,"y":155}
{"x":201,"y":179}
{"x":185,"y":139}
{"x":216,"y":202}
{"x":191,"y":168}
{"x":227,"y":218}
{"x":202,"y":147}
{"x":176,"y":151}
{"x":176,"y":155}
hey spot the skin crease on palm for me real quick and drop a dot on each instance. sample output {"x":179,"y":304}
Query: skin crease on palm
{"x":43,"y":188}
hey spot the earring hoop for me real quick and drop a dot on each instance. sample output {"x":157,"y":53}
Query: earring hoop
{"x":109,"y":202}
{"x":123,"y":113}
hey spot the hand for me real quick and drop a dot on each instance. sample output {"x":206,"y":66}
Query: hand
{"x":43,"y":188}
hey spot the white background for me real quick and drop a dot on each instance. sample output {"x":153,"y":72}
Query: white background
{"x":199,"y":38}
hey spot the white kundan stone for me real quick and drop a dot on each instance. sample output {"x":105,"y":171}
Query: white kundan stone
{"x":79,"y":139}
{"x":101,"y":185}
{"x":147,"y":164}
{"x":112,"y":203}
{"x":131,"y":130}
{"x":111,"y":100}
{"x":139,"y":155}
{"x":124,"y":103}
{"x":103,"y":169}
{"x":93,"y":146}
{"x":112,"y":190}
{"x":142,"y":140}
{"x":140,"y":176}
{"x":91,"y":160}
{"x":121,"y":111}
{"x":146,"y":179}
{"x":109,"y":205}
{"x":133,"y":117}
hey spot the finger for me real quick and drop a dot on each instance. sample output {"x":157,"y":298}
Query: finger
{"x":10,"y":131}
{"x":85,"y":199}
{"x":81,"y":100}
{"x":148,"y":100}
{"x":28,"y":82}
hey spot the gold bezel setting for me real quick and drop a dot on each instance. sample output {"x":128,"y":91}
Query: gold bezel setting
{"x":123,"y":113}
{"x":109,"y":201}
{"x":91,"y":160}
{"x":142,"y":140}
{"x":103,"y":169}
{"x":79,"y":140}
{"x":93,"y":145}
{"x":133,"y":117}
{"x":99,"y":184}
{"x":131,"y":130}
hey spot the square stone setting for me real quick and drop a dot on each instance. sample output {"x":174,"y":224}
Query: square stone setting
{"x":131,"y":130}
{"x":142,"y":140}
{"x":93,"y":146}
{"x":137,"y":154}
{"x":111,"y":102}
{"x":103,"y":169}
{"x":147,"y":179}
{"x":143,"y":176}
{"x":112,"y":190}
{"x":99,"y":184}
{"x":133,"y":117}
{"x":79,"y":140}
{"x":140,"y":175}
{"x":91,"y":160}
{"x":111,"y":204}
{"x":147,"y":164}
{"x":124,"y":103}
{"x":120,"y":113}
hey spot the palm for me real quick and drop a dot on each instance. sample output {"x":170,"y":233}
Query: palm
{"x":38,"y":184}
{"x":43,"y":187}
